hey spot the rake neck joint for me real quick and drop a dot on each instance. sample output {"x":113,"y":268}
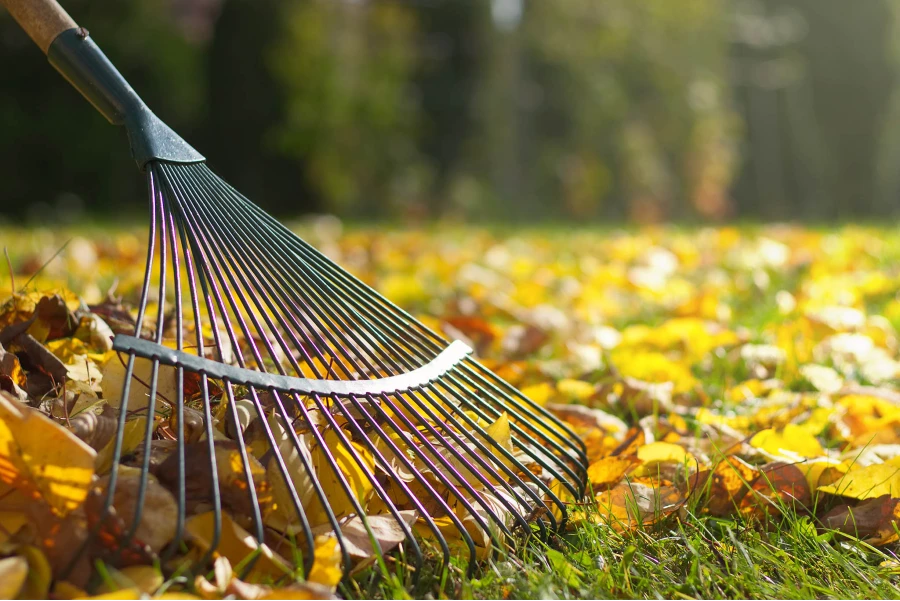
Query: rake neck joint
{"x":75,"y":55}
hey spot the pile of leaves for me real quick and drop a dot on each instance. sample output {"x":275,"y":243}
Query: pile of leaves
{"x":748,"y":375}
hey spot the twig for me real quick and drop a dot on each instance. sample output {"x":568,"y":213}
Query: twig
{"x":12,"y":276}
{"x":47,"y":262}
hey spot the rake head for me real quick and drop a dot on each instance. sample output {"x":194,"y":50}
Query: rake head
{"x":301,"y":403}
{"x":297,"y":403}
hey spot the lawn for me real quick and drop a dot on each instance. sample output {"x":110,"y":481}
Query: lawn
{"x":736,"y":389}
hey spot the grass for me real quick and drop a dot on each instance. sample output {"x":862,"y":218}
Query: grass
{"x":689,"y":558}
{"x":687,"y":555}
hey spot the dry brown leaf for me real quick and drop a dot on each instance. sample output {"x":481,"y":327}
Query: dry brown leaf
{"x":96,"y":429}
{"x":387,"y":532}
{"x":232,"y":478}
{"x":160,"y":510}
{"x":632,"y":504}
{"x":43,"y":359}
{"x":723,"y":487}
{"x":873,"y":520}
{"x":779,"y":487}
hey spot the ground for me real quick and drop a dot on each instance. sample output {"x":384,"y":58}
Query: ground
{"x":736,"y":388}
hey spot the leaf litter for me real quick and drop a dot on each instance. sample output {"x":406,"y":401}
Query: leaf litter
{"x":731,"y":374}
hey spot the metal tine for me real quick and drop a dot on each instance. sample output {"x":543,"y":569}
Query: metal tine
{"x":321,"y":304}
{"x":238,"y":236}
{"x":288,"y":238}
{"x":386,"y":466}
{"x":204,"y":381}
{"x":209,"y":288}
{"x":483,"y":448}
{"x":169,"y":231}
{"x":216,"y":272}
{"x":400,"y":522}
{"x":212,"y":291}
{"x":463,"y":394}
{"x":265,"y":291}
{"x":513,"y":412}
{"x":449,"y":466}
{"x":375,"y":452}
{"x":433,"y":430}
{"x":123,"y":409}
{"x":515,"y":415}
{"x":300,"y":245}
{"x":450,"y":484}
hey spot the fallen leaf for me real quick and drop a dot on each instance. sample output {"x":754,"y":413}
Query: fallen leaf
{"x":132,"y":436}
{"x":779,"y":487}
{"x":96,"y":429}
{"x":385,"y":528}
{"x":724,"y":486}
{"x":13,"y":572}
{"x":632,"y":504}
{"x":42,"y":458}
{"x":326,"y":568}
{"x":608,"y":471}
{"x":232,"y":479}
{"x":145,"y":579}
{"x":236,"y":544}
{"x":792,"y":442}
{"x":867,"y":482}
{"x":874,"y":520}
{"x":159,"y":513}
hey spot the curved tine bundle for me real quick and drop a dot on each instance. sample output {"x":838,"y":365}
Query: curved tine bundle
{"x":423,"y":443}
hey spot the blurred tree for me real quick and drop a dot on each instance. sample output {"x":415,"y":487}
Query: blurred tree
{"x":614,"y":108}
{"x":246,"y":106}
{"x":55,"y":148}
{"x":346,"y":68}
{"x":454,"y":40}
{"x":815,"y":83}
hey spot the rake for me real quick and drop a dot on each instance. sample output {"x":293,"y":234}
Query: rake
{"x":324,"y":409}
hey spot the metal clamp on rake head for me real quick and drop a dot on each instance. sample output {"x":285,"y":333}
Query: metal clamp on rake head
{"x":433,"y":370}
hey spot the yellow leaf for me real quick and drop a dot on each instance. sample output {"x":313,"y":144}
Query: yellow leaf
{"x":43,"y":458}
{"x":67,"y":590}
{"x":146,"y":579}
{"x":609,"y":470}
{"x":576,"y":390}
{"x":13,"y":572}
{"x":326,"y":568}
{"x":236,"y":544}
{"x":10,"y":523}
{"x":867,"y":482}
{"x":132,"y":437}
{"x":663,"y":452}
{"x":653,"y":367}
{"x":499,"y":432}
{"x":539,"y":393}
{"x":329,"y":479}
{"x":791,"y":442}
{"x":37,"y":586}
{"x":822,"y":468}
{"x":113,"y":379}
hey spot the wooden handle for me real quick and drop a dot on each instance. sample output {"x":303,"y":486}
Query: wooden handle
{"x":43,"y":20}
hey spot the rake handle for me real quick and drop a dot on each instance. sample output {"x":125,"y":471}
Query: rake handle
{"x":42,"y":20}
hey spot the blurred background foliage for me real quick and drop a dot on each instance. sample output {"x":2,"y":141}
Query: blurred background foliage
{"x":508,"y":110}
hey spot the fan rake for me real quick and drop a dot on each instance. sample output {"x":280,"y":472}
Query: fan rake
{"x":322,"y":408}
